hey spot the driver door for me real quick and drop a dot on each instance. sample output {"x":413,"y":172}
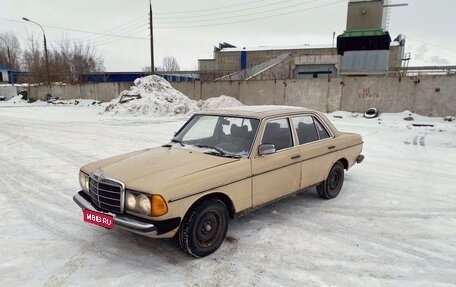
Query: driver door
{"x":278,"y":174}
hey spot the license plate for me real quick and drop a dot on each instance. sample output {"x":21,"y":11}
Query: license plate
{"x":100,"y":219}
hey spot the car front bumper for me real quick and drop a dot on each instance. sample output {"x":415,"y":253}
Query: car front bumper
{"x":123,"y":221}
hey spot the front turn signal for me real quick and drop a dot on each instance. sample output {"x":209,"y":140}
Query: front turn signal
{"x":159,"y":206}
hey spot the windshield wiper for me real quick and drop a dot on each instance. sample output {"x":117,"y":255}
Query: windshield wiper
{"x":219,"y":151}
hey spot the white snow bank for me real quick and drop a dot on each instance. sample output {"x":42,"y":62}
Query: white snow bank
{"x":219,"y":102}
{"x":154,"y":96}
{"x":151,"y":96}
{"x":16,"y":100}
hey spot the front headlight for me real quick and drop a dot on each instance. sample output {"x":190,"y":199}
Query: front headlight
{"x":130,"y":201}
{"x":151,"y":205}
{"x":143,"y":204}
{"x":84,"y":181}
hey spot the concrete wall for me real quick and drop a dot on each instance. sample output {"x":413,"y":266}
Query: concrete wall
{"x":7,"y":91}
{"x":215,"y":89}
{"x":100,"y":91}
{"x":426,"y":95}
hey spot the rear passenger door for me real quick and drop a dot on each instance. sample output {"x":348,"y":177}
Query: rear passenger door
{"x":315,"y":144}
{"x":277,"y":174}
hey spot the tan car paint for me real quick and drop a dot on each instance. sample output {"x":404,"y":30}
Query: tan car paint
{"x":182,"y":176}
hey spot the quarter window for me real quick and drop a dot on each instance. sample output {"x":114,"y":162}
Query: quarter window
{"x":321,"y":130}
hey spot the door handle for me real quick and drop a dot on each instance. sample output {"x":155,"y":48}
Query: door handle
{"x":296,"y":156}
{"x":332,"y":147}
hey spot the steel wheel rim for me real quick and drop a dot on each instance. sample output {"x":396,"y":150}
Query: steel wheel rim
{"x":334,"y":180}
{"x":209,"y":228}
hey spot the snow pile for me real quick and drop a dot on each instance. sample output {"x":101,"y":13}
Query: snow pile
{"x":151,"y":96}
{"x":219,"y":102}
{"x":16,"y":100}
{"x":154,"y":96}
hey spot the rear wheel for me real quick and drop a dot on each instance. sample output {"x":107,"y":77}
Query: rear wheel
{"x":331,"y":187}
{"x":204,"y":228}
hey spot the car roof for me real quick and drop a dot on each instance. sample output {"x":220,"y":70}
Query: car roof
{"x":257,"y":111}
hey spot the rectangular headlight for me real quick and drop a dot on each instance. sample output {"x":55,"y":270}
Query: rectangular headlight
{"x":84,"y":181}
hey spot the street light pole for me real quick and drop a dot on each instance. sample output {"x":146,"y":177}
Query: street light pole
{"x":45,"y":51}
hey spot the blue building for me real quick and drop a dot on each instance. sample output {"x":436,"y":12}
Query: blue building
{"x":115,"y":77}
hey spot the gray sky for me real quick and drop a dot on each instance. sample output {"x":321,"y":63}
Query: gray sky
{"x":188,"y":30}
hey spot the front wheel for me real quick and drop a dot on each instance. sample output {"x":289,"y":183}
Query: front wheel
{"x":204,"y":228}
{"x":331,"y":187}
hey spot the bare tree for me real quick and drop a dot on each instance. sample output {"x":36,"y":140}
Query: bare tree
{"x":74,"y":59}
{"x":10,"y":51}
{"x":68,"y":60}
{"x":170,"y":64}
{"x":145,"y":69}
{"x":33,"y":62}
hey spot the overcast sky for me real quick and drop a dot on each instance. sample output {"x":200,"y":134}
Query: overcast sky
{"x":188,"y":30}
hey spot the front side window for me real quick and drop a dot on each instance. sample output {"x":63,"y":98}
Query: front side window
{"x":224,"y":135}
{"x":278,"y":132}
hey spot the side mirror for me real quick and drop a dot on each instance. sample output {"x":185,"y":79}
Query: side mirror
{"x":266,"y":149}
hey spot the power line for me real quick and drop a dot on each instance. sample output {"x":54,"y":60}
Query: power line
{"x":252,"y":19}
{"x":126,"y":33}
{"x":433,"y":45}
{"x":120,"y":29}
{"x":209,"y":9}
{"x":240,"y":15}
{"x":77,"y":30}
{"x":228,"y":12}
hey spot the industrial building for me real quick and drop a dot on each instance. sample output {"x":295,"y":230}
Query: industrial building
{"x":365,"y":48}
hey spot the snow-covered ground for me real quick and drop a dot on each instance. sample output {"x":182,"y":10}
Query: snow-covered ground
{"x":394,"y":222}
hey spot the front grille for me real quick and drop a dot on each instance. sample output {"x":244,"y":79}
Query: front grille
{"x":106,"y":193}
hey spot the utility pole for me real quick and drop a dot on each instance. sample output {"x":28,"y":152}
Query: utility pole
{"x":152,"y":67}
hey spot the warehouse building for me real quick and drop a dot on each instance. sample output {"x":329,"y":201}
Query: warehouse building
{"x":365,"y":48}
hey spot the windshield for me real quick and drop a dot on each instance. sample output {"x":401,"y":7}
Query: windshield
{"x":232,"y":136}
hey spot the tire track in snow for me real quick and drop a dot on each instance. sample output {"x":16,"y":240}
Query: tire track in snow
{"x":382,"y":243}
{"x":418,"y":140}
{"x":59,"y":152}
{"x":72,"y":265}
{"x":38,"y":204}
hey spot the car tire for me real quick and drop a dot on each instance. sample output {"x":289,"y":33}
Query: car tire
{"x":331,"y":187}
{"x":204,"y":228}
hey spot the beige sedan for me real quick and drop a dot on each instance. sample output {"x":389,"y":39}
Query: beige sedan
{"x":220,"y":164}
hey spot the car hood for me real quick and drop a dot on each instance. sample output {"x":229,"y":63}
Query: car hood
{"x":149,"y":169}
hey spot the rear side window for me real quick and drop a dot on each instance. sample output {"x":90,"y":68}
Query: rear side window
{"x":309,"y":129}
